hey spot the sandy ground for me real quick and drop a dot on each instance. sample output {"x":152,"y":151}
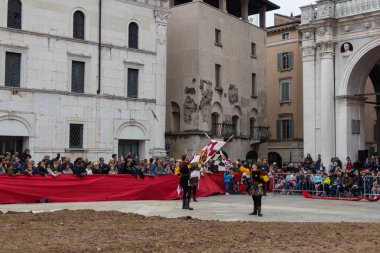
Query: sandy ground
{"x":111,"y":231}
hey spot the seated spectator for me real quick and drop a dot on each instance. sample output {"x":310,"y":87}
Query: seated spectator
{"x":348,"y":165}
{"x":112,"y":169}
{"x":376,"y":185}
{"x":29,"y":171}
{"x":347,"y":183}
{"x":159,"y":169}
{"x":66,"y":169}
{"x":290,"y":182}
{"x":2,"y":169}
{"x":41,"y":169}
{"x":367,"y":164}
{"x":326,"y":184}
{"x":356,"y":188}
{"x":89,"y":169}
{"x":335,"y":186}
{"x":80,"y":169}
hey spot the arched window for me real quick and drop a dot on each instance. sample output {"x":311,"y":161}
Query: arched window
{"x":14,"y":14}
{"x":78,"y":25}
{"x":215,"y":128}
{"x":133,"y":35}
{"x":236,"y":125}
{"x":252,"y":128}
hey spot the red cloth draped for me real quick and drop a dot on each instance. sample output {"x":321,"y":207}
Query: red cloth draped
{"x":70,"y":188}
{"x":309,"y":196}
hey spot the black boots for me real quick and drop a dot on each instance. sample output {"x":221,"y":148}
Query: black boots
{"x":186,"y":205}
{"x":195,"y":200}
{"x":259,"y":211}
{"x":254,"y":211}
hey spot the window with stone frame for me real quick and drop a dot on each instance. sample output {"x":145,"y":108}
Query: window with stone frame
{"x":285,"y":61}
{"x":76,"y":136}
{"x":253,"y":83}
{"x":285,"y":36}
{"x":14,"y":14}
{"x":78,"y":25}
{"x":285,"y":95}
{"x":133,"y":35}
{"x":253,"y":50}
{"x":218,"y":37}
{"x":12,"y":69}
{"x":77,"y":76}
{"x":133,"y":83}
{"x":285,"y":128}
{"x":218,"y":78}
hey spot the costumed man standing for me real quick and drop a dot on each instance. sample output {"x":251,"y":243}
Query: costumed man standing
{"x":258,"y":178}
{"x":184,"y":182}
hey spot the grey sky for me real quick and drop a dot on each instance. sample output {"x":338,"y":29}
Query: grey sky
{"x":286,"y":7}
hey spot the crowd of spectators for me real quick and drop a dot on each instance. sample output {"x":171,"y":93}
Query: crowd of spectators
{"x":338,"y":179}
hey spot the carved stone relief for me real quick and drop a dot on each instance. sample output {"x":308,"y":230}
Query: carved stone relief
{"x":205,"y":104}
{"x":189,"y":108}
{"x":233,"y":94}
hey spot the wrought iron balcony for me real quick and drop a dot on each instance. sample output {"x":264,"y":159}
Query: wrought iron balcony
{"x":223,"y":130}
{"x":260,"y":133}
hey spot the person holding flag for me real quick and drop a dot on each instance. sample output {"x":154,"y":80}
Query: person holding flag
{"x":184,"y":182}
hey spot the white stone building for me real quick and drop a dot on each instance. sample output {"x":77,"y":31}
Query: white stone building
{"x":83,"y":77}
{"x":341,"y":52}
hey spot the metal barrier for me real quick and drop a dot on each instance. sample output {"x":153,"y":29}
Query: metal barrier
{"x":371,"y":186}
{"x":295,"y":183}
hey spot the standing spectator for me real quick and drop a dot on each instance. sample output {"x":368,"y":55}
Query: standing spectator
{"x":89,"y":169}
{"x":112,"y":170}
{"x":29,"y":171}
{"x":41,"y":169}
{"x":2,"y":169}
{"x":307,"y":162}
{"x":376,"y":165}
{"x":227,"y":180}
{"x":103,"y":168}
{"x":66,"y":169}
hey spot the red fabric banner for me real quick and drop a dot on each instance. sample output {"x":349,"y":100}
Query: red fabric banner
{"x":70,"y":188}
{"x":309,"y":196}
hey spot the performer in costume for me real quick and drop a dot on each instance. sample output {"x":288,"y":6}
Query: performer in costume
{"x":258,"y":178}
{"x":194,"y":180}
{"x":184,"y":182}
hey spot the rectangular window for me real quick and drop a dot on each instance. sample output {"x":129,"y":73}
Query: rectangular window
{"x":77,"y":76}
{"x":133,"y":81}
{"x":76,"y":136}
{"x":285,"y":36}
{"x":284,"y":129}
{"x":285,"y":91}
{"x":12,"y":69}
{"x":254,"y":92}
{"x":218,"y":80}
{"x":253,"y":49}
{"x":218,"y":37}
{"x":285,"y":61}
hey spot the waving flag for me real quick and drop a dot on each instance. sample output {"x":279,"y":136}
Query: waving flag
{"x":209,"y":151}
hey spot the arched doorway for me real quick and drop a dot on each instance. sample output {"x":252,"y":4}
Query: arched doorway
{"x":275,"y":157}
{"x":251,"y":156}
{"x":131,"y":140}
{"x":14,"y":135}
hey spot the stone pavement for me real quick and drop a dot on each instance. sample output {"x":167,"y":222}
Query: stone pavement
{"x":229,"y":208}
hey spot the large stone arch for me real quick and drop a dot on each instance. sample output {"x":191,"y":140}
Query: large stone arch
{"x":350,"y":105}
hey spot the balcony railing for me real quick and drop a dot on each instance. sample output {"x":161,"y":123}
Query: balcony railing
{"x":223,"y":130}
{"x":260,"y":133}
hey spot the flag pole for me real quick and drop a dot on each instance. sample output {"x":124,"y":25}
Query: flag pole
{"x":207,"y":136}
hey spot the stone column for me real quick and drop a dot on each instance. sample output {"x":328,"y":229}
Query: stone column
{"x":327,"y":105}
{"x":263,"y":11}
{"x":244,"y":9}
{"x":223,"y":5}
{"x":309,"y":124}
{"x":159,"y":111}
{"x":377,"y":108}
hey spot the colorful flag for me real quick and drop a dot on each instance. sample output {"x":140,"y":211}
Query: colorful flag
{"x":209,"y":151}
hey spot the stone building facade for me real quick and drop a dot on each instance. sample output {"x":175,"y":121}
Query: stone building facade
{"x":83,"y":78}
{"x":340,"y":48}
{"x":284,"y":84}
{"x":216,"y":77}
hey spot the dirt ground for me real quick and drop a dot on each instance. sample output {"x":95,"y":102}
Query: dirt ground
{"x":90,"y":231}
